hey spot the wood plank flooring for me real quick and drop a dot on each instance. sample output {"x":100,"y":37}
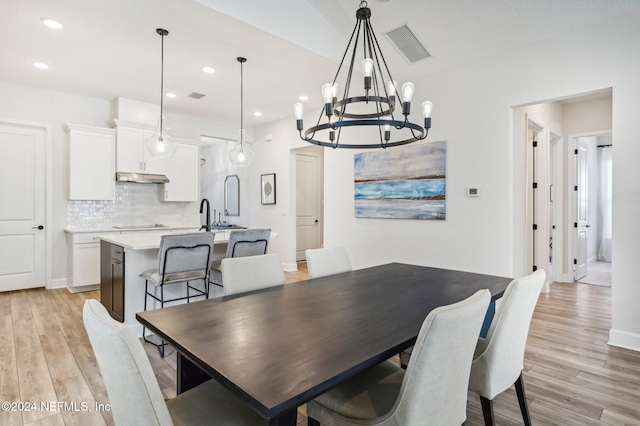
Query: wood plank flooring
{"x":572,"y":377}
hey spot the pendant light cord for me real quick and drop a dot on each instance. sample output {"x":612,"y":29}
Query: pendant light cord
{"x":161,"y":78}
{"x":241,"y":106}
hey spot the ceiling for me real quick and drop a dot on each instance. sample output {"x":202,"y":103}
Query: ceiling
{"x":109,"y":49}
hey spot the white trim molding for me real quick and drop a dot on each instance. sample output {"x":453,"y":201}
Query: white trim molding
{"x":624,"y":339}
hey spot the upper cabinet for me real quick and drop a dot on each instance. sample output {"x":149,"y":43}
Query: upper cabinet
{"x":183,"y":172}
{"x":132,"y":155}
{"x":92,"y":166}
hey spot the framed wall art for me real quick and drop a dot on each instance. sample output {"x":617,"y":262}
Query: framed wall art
{"x":268,"y":191}
{"x":408,"y":182}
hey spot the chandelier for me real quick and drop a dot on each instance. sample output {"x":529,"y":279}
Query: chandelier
{"x":161,"y":145}
{"x":377,"y":107}
{"x":241,"y":155}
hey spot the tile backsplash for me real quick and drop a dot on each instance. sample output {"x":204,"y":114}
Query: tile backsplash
{"x":135,"y":204}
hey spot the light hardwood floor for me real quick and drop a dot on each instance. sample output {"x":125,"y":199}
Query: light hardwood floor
{"x":572,"y":377}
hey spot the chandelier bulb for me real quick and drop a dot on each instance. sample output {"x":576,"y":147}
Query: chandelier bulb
{"x":327,"y":93}
{"x":334,"y":92}
{"x":298,"y":111}
{"x":427,"y":107}
{"x":367,"y":67}
{"x":407,"y":91}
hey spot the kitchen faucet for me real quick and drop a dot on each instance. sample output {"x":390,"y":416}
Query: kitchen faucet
{"x":207,"y":226}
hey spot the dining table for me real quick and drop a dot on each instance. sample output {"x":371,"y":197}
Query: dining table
{"x":280,"y":347}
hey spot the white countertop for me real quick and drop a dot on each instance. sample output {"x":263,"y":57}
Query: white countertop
{"x":129,"y":230}
{"x":134,"y":241}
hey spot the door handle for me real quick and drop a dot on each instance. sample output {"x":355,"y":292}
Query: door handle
{"x":38,"y":227}
{"x":588,"y":226}
{"x":317,"y":220}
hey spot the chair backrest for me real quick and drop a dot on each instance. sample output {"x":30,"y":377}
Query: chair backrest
{"x":185,"y":253}
{"x":134,"y":393}
{"x":327,"y":261}
{"x":434,"y":387}
{"x":499,"y":357}
{"x":242,"y":274}
{"x":250,"y":242}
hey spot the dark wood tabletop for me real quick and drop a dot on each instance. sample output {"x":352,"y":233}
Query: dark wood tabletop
{"x":280,"y":347}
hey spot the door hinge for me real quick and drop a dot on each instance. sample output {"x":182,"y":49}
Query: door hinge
{"x":535,"y":185}
{"x":575,"y":224}
{"x":535,"y":144}
{"x":575,"y":261}
{"x":553,"y":227}
{"x":575,"y":187}
{"x":575,"y":151}
{"x":535,"y":268}
{"x":535,"y":227}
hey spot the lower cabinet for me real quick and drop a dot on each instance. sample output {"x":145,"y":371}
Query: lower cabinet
{"x":112,"y":279}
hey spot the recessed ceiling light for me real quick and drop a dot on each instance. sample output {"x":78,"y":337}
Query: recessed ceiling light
{"x":208,"y":70}
{"x":52,"y":23}
{"x":40,"y":65}
{"x":257,"y":113}
{"x":303,"y":97}
{"x":171,"y":95}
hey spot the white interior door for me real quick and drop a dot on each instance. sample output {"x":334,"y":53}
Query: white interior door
{"x":22,"y":209}
{"x":308,"y":203}
{"x":581,"y":210}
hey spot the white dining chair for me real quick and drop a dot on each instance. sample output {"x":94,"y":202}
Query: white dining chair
{"x":242,"y":274}
{"x":498,"y":359}
{"x":249,"y":242}
{"x":327,"y":261}
{"x":134,"y":394}
{"x":433,"y":389}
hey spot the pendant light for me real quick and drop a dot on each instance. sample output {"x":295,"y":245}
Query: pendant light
{"x":241,"y":155}
{"x":161,"y":145}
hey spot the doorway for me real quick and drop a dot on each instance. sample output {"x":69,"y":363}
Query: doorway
{"x":593,"y":208}
{"x":309,"y":199}
{"x":23,"y":216}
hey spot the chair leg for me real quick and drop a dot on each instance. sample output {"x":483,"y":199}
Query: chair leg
{"x":188,"y":297}
{"x":522,"y":400}
{"x":312,"y":422}
{"x":487,"y":411}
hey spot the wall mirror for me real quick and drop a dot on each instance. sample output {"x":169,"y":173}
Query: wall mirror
{"x":232,"y":196}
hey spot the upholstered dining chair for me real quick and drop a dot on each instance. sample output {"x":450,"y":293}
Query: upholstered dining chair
{"x":242,"y":274}
{"x":134,"y":394}
{"x":498,"y":359}
{"x":182,"y":258}
{"x":327,"y":261}
{"x":433,"y":389}
{"x":250,"y":242}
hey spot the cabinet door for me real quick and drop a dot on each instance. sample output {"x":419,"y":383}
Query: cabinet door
{"x":129,"y":153}
{"x":183,"y":171}
{"x":152,"y":165}
{"x":86,"y":264}
{"x":106,"y":280}
{"x":117,"y":289}
{"x":92,"y":164}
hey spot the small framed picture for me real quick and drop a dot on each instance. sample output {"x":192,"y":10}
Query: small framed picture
{"x":268,"y":191}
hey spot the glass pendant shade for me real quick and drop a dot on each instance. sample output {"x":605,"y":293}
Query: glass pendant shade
{"x":161,"y":145}
{"x":241,"y":155}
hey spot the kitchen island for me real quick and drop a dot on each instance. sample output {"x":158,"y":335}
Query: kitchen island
{"x":123,"y":257}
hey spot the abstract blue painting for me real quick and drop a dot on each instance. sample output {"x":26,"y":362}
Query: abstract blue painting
{"x":408,"y":182}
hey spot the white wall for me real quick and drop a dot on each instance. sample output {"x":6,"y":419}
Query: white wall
{"x":473,"y":113}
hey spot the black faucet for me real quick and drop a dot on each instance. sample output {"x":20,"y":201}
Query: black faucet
{"x":207,"y":225}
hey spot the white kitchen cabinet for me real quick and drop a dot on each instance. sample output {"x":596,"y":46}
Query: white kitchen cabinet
{"x":132,"y":155}
{"x":92,"y":162}
{"x":84,"y":261}
{"x":183,"y":171}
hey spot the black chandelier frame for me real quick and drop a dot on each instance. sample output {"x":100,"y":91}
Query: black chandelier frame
{"x":385,"y":102}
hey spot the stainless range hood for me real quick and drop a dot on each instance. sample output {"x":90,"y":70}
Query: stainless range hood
{"x":141,"y":178}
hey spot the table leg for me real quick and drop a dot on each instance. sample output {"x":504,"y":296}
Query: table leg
{"x":189,"y":374}
{"x":287,"y":419}
{"x":487,"y":319}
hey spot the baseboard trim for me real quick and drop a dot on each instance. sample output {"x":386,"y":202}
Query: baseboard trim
{"x":290,"y":267}
{"x":624,"y":339}
{"x":58,"y":283}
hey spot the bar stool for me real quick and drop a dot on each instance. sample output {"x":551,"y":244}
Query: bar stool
{"x":250,"y":242}
{"x":182,"y":258}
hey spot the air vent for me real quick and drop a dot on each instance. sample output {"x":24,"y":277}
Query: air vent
{"x":408,"y":44}
{"x":195,"y":95}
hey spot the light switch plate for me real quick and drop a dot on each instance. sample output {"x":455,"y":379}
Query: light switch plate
{"x":473,"y":192}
